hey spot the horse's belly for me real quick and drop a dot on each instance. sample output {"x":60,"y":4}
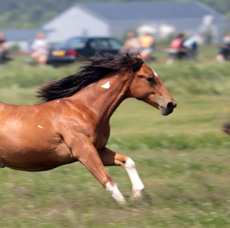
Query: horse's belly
{"x":37,"y":160}
{"x":2,"y":165}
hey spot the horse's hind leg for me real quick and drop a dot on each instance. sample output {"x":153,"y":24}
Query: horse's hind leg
{"x":110,"y":158}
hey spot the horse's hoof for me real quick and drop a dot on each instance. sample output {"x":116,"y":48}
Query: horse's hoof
{"x":122,"y":202}
{"x":137,"y":194}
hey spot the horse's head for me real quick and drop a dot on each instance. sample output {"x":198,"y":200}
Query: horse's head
{"x":148,"y":87}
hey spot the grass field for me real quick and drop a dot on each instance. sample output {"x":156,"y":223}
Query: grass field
{"x":183,"y":159}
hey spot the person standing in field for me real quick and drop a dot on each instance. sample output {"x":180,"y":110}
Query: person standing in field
{"x":40,"y":49}
{"x":177,"y":50}
{"x":192,"y":46}
{"x":132,"y":44}
{"x":147,"y":44}
{"x":3,"y":48}
{"x":224,"y":50}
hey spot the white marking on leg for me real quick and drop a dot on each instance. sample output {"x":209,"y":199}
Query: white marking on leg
{"x":116,"y":194}
{"x":135,"y":179}
{"x":106,"y":85}
{"x":40,"y":126}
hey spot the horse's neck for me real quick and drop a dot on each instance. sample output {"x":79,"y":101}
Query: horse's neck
{"x":104,"y":96}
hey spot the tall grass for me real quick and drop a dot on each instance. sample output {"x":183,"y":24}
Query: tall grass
{"x":182,"y":77}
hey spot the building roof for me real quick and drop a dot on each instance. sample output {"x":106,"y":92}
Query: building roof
{"x":149,"y":10}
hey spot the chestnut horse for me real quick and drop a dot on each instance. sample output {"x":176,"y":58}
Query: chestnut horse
{"x":72,"y":121}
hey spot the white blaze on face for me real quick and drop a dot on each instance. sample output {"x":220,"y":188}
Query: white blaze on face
{"x":106,"y":85}
{"x":155,"y":73}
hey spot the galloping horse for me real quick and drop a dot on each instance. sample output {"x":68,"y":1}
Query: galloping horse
{"x":72,"y":121}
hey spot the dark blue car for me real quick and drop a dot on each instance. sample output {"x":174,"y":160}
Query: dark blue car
{"x":68,"y":51}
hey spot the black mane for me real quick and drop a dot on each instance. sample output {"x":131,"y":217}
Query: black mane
{"x":97,"y":68}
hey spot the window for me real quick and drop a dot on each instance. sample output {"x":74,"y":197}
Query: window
{"x":99,"y":43}
{"x":114,"y":44}
{"x":76,"y":43}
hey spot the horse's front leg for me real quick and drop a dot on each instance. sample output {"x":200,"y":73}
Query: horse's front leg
{"x":110,"y":158}
{"x":87,"y":154}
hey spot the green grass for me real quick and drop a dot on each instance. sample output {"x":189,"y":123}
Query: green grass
{"x":183,"y":159}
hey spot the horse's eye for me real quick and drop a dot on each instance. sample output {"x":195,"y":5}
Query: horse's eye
{"x":150,"y":80}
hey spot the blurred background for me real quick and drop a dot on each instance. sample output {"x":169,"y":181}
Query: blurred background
{"x":183,"y":159}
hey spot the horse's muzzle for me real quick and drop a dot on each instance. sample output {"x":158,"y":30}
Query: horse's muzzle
{"x":168,"y":109}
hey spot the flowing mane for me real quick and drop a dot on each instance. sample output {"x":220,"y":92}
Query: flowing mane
{"x":96,"y":68}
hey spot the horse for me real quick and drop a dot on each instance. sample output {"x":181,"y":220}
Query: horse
{"x":71,"y":121}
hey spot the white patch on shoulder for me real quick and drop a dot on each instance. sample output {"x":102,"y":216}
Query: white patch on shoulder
{"x":106,"y":85}
{"x":58,"y":101}
{"x":40,"y":126}
{"x":155,"y":73}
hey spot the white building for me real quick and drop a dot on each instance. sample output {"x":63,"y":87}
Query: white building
{"x":114,"y":19}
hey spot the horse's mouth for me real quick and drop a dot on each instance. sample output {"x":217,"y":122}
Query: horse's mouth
{"x":165,"y":111}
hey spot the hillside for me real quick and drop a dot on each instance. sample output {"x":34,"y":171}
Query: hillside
{"x":34,"y":13}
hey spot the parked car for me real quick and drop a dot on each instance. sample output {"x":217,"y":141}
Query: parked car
{"x":68,"y":51}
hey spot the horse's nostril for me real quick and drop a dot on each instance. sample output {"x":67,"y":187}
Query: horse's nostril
{"x":171,"y":105}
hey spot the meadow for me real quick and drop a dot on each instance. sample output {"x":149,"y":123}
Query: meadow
{"x":183,"y":159}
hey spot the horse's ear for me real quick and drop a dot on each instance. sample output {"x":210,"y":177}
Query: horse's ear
{"x":130,"y":59}
{"x":139,"y":56}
